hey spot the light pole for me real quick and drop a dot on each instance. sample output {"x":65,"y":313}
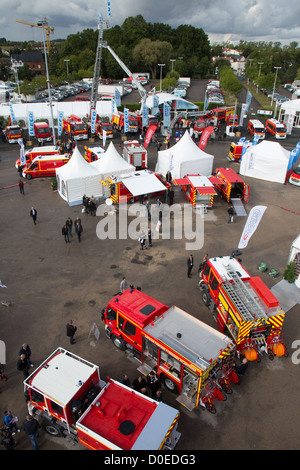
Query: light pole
{"x":67,"y":64}
{"x":43,"y":23}
{"x":259,"y":70}
{"x":276,"y":68}
{"x":172,"y":60}
{"x":161,"y":66}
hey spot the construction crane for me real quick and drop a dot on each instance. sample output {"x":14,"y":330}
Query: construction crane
{"x":41,"y":24}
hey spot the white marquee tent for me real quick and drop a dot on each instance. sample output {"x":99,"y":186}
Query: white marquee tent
{"x":267,"y":161}
{"x":184,"y":158}
{"x":76,"y":178}
{"x":111,"y":163}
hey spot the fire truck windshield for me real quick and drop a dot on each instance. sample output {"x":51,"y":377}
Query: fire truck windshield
{"x":80,"y":127}
{"x":14,"y":132}
{"x":44,"y":130}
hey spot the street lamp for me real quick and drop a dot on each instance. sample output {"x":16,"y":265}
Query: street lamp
{"x":276,"y":68}
{"x":259,"y":70}
{"x":172,"y":60}
{"x":161,"y":66}
{"x":67,"y":64}
{"x":260,"y":64}
{"x":43,"y":23}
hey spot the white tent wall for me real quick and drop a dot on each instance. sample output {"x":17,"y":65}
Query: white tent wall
{"x":266,"y":161}
{"x":42,"y":110}
{"x":77,"y":178}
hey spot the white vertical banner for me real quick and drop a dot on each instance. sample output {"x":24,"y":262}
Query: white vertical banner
{"x":243,"y":110}
{"x":126,"y":120}
{"x":22,"y":152}
{"x":60,"y":116}
{"x":104,"y":137}
{"x":30,"y":123}
{"x":12,"y":114}
{"x":251,"y":225}
{"x":93,"y":121}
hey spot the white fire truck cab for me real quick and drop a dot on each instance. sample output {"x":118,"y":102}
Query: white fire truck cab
{"x":68,"y":397}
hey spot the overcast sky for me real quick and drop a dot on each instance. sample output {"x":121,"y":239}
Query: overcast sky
{"x":222,"y":20}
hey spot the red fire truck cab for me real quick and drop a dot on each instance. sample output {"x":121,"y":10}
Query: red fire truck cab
{"x":91,"y":154}
{"x":68,"y":397}
{"x":236,"y":149}
{"x":186,"y":353}
{"x":75,"y":127}
{"x":13,"y":134}
{"x":118,"y":121}
{"x":104,"y":126}
{"x":135,"y":154}
{"x":42,"y":131}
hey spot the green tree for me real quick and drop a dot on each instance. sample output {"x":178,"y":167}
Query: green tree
{"x":151,"y":53}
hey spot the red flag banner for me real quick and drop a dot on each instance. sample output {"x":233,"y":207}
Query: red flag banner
{"x":204,"y":137}
{"x":149,"y":134}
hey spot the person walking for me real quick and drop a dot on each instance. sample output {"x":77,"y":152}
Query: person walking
{"x":190,"y":264}
{"x":230,"y":214}
{"x":2,"y":375}
{"x":71,"y":330}
{"x":23,"y":365}
{"x":33,"y":214}
{"x":69,"y":224}
{"x":142,"y":240}
{"x":123,"y":285}
{"x":10,"y":422}
{"x":150,"y":236}
{"x":31,"y":427}
{"x":171,"y":196}
{"x":65,"y":233}
{"x":25,"y":349}
{"x":21,"y":187}
{"x":78,"y":228}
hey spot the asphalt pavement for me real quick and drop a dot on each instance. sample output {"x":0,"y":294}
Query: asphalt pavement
{"x":50,"y":282}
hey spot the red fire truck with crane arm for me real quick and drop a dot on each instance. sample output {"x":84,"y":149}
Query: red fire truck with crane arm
{"x":243,"y":307}
{"x":68,"y":397}
{"x":191,"y":358}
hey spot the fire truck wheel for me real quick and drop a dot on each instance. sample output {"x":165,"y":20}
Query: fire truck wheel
{"x":206,"y":297}
{"x":118,"y":342}
{"x":170,"y":385}
{"x":28,"y":177}
{"x":53,"y":429}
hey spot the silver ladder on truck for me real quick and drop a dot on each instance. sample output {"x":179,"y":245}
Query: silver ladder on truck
{"x":247,"y":306}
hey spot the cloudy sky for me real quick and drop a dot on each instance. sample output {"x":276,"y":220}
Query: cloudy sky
{"x":222,"y":20}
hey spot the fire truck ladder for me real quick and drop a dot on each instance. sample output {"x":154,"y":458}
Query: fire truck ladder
{"x":247,"y":306}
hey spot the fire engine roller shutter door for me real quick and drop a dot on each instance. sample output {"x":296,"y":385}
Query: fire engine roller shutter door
{"x":142,"y":182}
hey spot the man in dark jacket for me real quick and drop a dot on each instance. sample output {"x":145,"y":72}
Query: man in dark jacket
{"x":71,"y":330}
{"x":33,"y":214}
{"x":31,"y":427}
{"x":25,"y":349}
{"x":23,"y":365}
{"x":190,"y":264}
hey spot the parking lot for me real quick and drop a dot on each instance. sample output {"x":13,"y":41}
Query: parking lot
{"x":50,"y":282}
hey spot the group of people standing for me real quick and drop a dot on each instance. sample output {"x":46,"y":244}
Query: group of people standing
{"x":67,"y":229}
{"x":141,"y":384}
{"x":89,"y":204}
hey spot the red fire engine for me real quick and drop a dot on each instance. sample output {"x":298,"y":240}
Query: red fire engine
{"x":135,"y":154}
{"x":243,"y":307}
{"x":37,"y":151}
{"x":92,"y":154}
{"x":190,"y":357}
{"x":235,"y":151}
{"x":230,"y":185}
{"x":13,"y":134}
{"x":67,"y":395}
{"x":42,"y":131}
{"x":198,"y":189}
{"x":104,"y":126}
{"x":75,"y":127}
{"x":118,"y":120}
